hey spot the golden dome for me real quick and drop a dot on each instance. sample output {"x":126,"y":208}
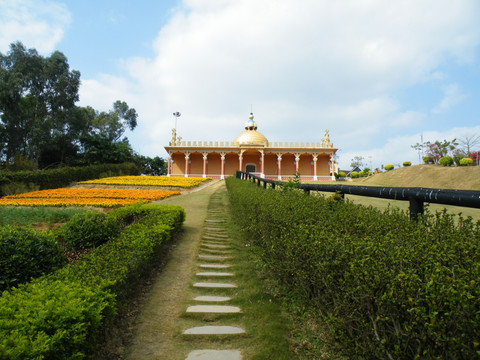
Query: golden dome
{"x":251,"y":136}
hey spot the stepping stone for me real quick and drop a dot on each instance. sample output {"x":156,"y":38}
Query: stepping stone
{"x":214,"y":309}
{"x":215,"y":251}
{"x":213,"y":298}
{"x":214,"y":330}
{"x":216,"y":246}
{"x":219,"y":229}
{"x":214,"y":237}
{"x":212,"y":285}
{"x":215,"y":266}
{"x":214,"y":355}
{"x":213,"y":257}
{"x":214,"y":220}
{"x":214,"y":274}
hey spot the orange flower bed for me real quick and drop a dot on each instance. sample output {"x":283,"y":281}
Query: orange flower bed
{"x":85,"y":197}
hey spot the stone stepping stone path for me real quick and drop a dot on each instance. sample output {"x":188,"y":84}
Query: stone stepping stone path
{"x":214,"y":274}
{"x":212,"y":285}
{"x":214,"y":355}
{"x":215,"y":266}
{"x":214,"y":252}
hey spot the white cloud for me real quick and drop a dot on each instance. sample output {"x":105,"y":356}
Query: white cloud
{"x":38,"y":24}
{"x":304,"y":65}
{"x":452,"y":96}
{"x":396,"y":150}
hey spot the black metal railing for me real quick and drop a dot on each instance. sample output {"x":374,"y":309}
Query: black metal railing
{"x":415,"y":196}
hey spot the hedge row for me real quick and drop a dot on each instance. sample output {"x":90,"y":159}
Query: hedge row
{"x":61,"y":315}
{"x":56,"y":178}
{"x":387,"y":287}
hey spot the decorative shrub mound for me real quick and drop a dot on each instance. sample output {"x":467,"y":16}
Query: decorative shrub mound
{"x":341,"y":174}
{"x":466,"y":162}
{"x":387,"y":287}
{"x":389,"y":167}
{"x":26,"y":253}
{"x":445,"y":161}
{"x":89,"y":230}
{"x":354,"y":174}
{"x":60,"y":316}
{"x":407,"y":163}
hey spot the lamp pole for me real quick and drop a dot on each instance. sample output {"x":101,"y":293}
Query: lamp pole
{"x":177,"y":115}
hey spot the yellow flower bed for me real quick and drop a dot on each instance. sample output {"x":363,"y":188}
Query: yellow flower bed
{"x":85,"y":197}
{"x":173,"y":181}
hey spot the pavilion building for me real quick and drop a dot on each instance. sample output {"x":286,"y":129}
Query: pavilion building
{"x":252,"y":152}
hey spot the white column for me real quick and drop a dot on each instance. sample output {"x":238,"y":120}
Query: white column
{"x":222,"y":175}
{"x":186,"y":165}
{"x":279,"y":166}
{"x":205,"y":165}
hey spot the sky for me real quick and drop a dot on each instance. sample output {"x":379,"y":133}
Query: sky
{"x":379,"y":75}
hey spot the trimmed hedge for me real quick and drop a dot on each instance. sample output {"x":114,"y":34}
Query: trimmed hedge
{"x":389,"y":167}
{"x":60,"y":316}
{"x":445,"y":161}
{"x":466,"y":162}
{"x":26,"y":253}
{"x":56,"y":178}
{"x":89,"y":230}
{"x":387,"y":287}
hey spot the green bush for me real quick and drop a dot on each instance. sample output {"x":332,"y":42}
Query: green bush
{"x":52,"y":320}
{"x":365,"y":173}
{"x":61,"y":316}
{"x":89,"y":230}
{"x":445,"y":161}
{"x":341,"y":174}
{"x":388,"y":288}
{"x":354,"y":174}
{"x":407,"y":163}
{"x":25,"y":254}
{"x":466,"y":162}
{"x":389,"y":167}
{"x":56,"y":178}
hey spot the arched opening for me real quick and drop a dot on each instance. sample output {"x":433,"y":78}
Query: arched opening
{"x":251,"y":168}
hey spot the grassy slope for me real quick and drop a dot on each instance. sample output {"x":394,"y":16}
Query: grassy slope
{"x":428,"y":176}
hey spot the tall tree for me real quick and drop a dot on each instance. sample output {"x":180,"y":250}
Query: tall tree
{"x":468,"y":142}
{"x":37,"y":96}
{"x":114,"y":123}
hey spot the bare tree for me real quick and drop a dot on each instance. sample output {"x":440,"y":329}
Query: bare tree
{"x":467,"y":143}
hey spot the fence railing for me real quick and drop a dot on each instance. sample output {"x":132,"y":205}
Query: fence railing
{"x":415,"y":196}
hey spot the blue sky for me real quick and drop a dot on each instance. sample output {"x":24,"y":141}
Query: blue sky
{"x":378,"y":74}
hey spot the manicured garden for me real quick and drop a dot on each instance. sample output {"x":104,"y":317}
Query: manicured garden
{"x":61,"y":288}
{"x":167,"y":181}
{"x":384,"y":287}
{"x":84,"y":197}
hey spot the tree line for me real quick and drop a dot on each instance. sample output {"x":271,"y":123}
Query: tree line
{"x":42,"y":127}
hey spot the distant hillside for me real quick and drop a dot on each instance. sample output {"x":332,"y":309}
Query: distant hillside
{"x":427,"y":176}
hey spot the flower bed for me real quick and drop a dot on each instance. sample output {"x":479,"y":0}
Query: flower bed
{"x":85,"y":197}
{"x":183,"y":182}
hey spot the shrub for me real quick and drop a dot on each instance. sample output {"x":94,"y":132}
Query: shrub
{"x":365,"y":173}
{"x":26,"y":253}
{"x":407,"y":163}
{"x":388,"y":288}
{"x":61,"y":316}
{"x":354,"y":174}
{"x":56,"y":178}
{"x":466,"y":162}
{"x":389,"y":167}
{"x":445,"y":161}
{"x":341,"y":174}
{"x":428,"y":160}
{"x":89,"y":230}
